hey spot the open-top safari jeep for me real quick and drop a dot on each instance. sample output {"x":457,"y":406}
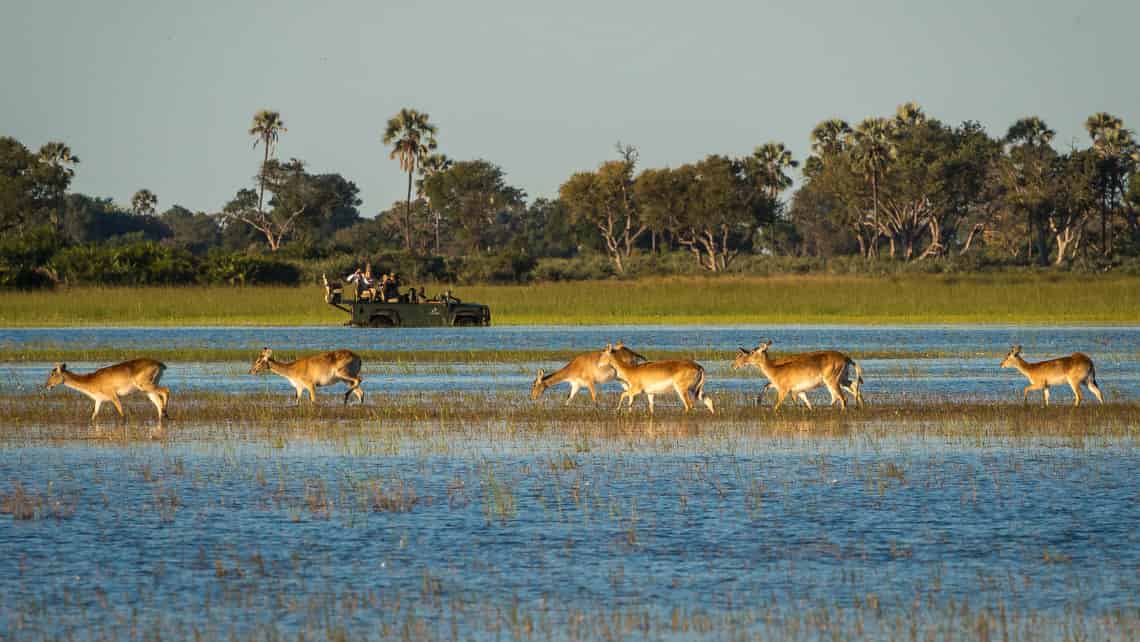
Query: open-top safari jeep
{"x":367,"y":310}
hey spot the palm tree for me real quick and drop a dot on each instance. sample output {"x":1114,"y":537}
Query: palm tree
{"x":412,"y":138}
{"x":1030,"y":130}
{"x":829,"y":137}
{"x":774,"y":158}
{"x":873,"y":147}
{"x":909,"y":114}
{"x":1029,"y":139}
{"x":1113,"y":146}
{"x":59,"y":154}
{"x":267,"y":126}
{"x":431,"y":165}
{"x":144,"y":202}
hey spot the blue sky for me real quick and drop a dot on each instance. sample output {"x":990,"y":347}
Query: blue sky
{"x":160,"y":94}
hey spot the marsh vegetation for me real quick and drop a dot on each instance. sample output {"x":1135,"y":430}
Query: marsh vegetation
{"x":806,"y":299}
{"x":452,"y":506}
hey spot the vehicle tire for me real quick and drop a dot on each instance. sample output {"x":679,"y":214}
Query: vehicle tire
{"x":382,"y":321}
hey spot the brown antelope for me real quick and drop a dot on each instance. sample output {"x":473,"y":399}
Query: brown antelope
{"x":1074,"y":370}
{"x":797,"y":374}
{"x":111,"y":382}
{"x":845,"y":382}
{"x":685,"y":377}
{"x":584,"y":371}
{"x":309,"y":373}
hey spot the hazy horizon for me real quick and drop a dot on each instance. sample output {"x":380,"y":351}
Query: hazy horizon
{"x":160,"y":95}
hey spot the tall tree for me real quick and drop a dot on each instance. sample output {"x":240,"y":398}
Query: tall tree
{"x":773,"y":160}
{"x":1025,"y":173}
{"x":909,"y":114}
{"x":267,"y":127}
{"x":33,"y":185}
{"x":603,"y":199}
{"x":301,"y":201}
{"x":412,"y":137}
{"x":144,"y":203}
{"x":1117,"y":154}
{"x":830,"y":137}
{"x":476,"y":200}
{"x":711,"y":207}
{"x":431,"y":165}
{"x":872,"y":147}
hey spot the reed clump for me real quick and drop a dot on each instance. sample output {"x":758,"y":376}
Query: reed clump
{"x":433,"y":421}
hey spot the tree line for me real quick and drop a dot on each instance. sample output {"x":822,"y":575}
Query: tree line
{"x":904,"y":188}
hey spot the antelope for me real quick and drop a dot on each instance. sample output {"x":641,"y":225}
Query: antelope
{"x":797,"y":374}
{"x":584,"y":371}
{"x":309,"y":373}
{"x":845,"y":383}
{"x":111,"y":382}
{"x":685,"y":377}
{"x":1074,"y":370}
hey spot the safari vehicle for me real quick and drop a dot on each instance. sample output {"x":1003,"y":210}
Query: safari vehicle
{"x":444,"y":310}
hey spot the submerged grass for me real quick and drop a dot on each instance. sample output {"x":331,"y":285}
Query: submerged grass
{"x":436,"y":422}
{"x":989,"y":298}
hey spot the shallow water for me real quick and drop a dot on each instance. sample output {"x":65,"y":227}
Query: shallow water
{"x":938,"y":522}
{"x":253,"y":536}
{"x":955,"y":339}
{"x":1114,"y":349}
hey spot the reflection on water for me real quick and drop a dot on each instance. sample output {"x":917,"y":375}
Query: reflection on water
{"x":946,"y":379}
{"x":546,"y":533}
{"x":160,"y":530}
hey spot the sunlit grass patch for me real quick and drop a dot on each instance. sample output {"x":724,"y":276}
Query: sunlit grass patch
{"x":988,"y":298}
{"x":443,"y":421}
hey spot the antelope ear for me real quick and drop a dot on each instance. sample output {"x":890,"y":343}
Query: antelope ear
{"x":1017,"y":349}
{"x":541,"y":373}
{"x":619,"y":345}
{"x":741,"y":350}
{"x":61,"y":366}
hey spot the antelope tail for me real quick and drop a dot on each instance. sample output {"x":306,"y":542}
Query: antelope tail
{"x":858,"y":371}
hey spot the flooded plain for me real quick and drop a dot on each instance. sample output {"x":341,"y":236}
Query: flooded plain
{"x":453,"y":507}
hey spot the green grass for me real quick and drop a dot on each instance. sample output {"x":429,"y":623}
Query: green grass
{"x":990,"y":298}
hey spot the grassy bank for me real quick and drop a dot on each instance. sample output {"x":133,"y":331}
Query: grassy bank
{"x":990,"y":298}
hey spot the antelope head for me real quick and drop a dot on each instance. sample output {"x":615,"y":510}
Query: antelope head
{"x":1010,"y":360}
{"x":262,"y":362}
{"x":629,"y":357}
{"x":607,"y":358}
{"x":742,"y":358}
{"x":539,"y":385}
{"x":55,"y":377}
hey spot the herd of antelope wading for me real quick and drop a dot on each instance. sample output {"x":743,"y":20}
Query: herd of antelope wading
{"x":794,"y":374}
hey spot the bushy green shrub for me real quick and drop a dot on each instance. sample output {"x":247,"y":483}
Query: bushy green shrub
{"x":579,"y":268}
{"x":140,"y":263}
{"x":24,"y":258}
{"x":247,"y":269}
{"x":505,"y":267}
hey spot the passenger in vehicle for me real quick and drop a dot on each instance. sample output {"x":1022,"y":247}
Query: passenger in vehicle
{"x":361,"y":281}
